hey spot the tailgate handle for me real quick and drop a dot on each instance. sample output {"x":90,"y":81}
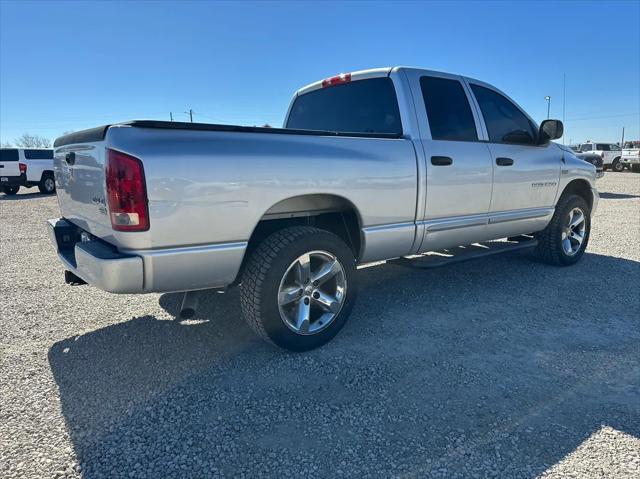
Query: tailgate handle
{"x":504,"y":161}
{"x":441,"y":161}
{"x":70,"y":157}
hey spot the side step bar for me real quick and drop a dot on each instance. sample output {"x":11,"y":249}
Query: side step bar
{"x":459,"y":254}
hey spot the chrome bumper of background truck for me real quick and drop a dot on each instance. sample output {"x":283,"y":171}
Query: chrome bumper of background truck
{"x":144,"y":271}
{"x":631,"y":161}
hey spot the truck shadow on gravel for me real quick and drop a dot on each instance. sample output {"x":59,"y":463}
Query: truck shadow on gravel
{"x":23,"y":196}
{"x":500,"y":367}
{"x":617,"y":196}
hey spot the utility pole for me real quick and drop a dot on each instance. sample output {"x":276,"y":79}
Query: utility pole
{"x":622,"y":142}
{"x":548,"y":98}
{"x":564,"y":99}
{"x":171,"y":115}
{"x":190,"y":114}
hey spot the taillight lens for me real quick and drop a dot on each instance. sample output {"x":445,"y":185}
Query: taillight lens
{"x":23,"y":168}
{"x":126,"y":192}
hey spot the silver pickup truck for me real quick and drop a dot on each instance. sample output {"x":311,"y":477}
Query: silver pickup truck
{"x":373,"y":165}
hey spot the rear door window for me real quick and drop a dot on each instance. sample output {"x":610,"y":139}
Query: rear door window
{"x":38,"y":154}
{"x":448,"y":110}
{"x":362,"y":106}
{"x":603,"y":147}
{"x":505,"y":122}
{"x":8,"y":154}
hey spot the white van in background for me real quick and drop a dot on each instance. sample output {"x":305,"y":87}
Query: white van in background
{"x":609,"y":152}
{"x":27,"y":167}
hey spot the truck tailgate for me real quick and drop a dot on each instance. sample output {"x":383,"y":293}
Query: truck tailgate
{"x":9,"y":165}
{"x":80,"y":178}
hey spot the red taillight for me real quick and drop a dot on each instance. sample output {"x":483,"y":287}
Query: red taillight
{"x":23,"y":168}
{"x":126,"y":192}
{"x":336,"y":80}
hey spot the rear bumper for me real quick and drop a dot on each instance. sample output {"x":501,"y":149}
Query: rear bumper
{"x":165,"y":270}
{"x":13,"y":180}
{"x":631,"y":161}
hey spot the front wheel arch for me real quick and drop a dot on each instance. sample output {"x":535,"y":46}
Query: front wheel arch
{"x":578,"y":187}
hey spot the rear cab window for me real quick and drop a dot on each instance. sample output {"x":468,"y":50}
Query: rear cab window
{"x":361,"y":106}
{"x":9,"y":154}
{"x":38,"y":154}
{"x":448,"y":110}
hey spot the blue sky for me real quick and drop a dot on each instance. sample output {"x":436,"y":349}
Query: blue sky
{"x":74,"y":65}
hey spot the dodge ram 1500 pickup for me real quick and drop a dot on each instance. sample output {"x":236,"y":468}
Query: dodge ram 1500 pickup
{"x":381,"y":164}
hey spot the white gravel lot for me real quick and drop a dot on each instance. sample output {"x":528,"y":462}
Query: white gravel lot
{"x":502,"y":367}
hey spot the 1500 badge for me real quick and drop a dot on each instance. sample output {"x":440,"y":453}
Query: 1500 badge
{"x":542,"y":184}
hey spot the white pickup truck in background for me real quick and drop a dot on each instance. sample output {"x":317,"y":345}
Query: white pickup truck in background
{"x":26,"y":167}
{"x":609,"y":152}
{"x":631,"y":155}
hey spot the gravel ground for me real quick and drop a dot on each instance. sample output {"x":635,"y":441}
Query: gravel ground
{"x":500,"y":367}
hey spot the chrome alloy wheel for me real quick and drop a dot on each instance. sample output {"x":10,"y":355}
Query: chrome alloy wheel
{"x":574,"y":232}
{"x":312,"y":292}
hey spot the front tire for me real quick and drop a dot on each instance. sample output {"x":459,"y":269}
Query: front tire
{"x":47,"y":185}
{"x":565,"y":238}
{"x":11,"y":190}
{"x":298,"y":287}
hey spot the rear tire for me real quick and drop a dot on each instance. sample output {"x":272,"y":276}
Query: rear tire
{"x":11,"y":190}
{"x":47,"y":185}
{"x":560,"y":243}
{"x":284,"y":295}
{"x":617,"y":165}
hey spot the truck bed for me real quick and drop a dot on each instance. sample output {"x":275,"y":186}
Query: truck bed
{"x":211,"y":184}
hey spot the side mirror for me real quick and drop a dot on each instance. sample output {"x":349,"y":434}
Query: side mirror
{"x":550,"y":130}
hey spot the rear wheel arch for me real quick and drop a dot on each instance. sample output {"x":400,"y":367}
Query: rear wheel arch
{"x":332,"y":213}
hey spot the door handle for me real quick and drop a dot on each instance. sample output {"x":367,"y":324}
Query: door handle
{"x":441,"y":161}
{"x":1,"y":166}
{"x":70,"y":157}
{"x":504,"y":161}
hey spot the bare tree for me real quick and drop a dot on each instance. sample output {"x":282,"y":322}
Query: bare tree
{"x":6,"y":145}
{"x":32,"y":141}
{"x":267,"y":125}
